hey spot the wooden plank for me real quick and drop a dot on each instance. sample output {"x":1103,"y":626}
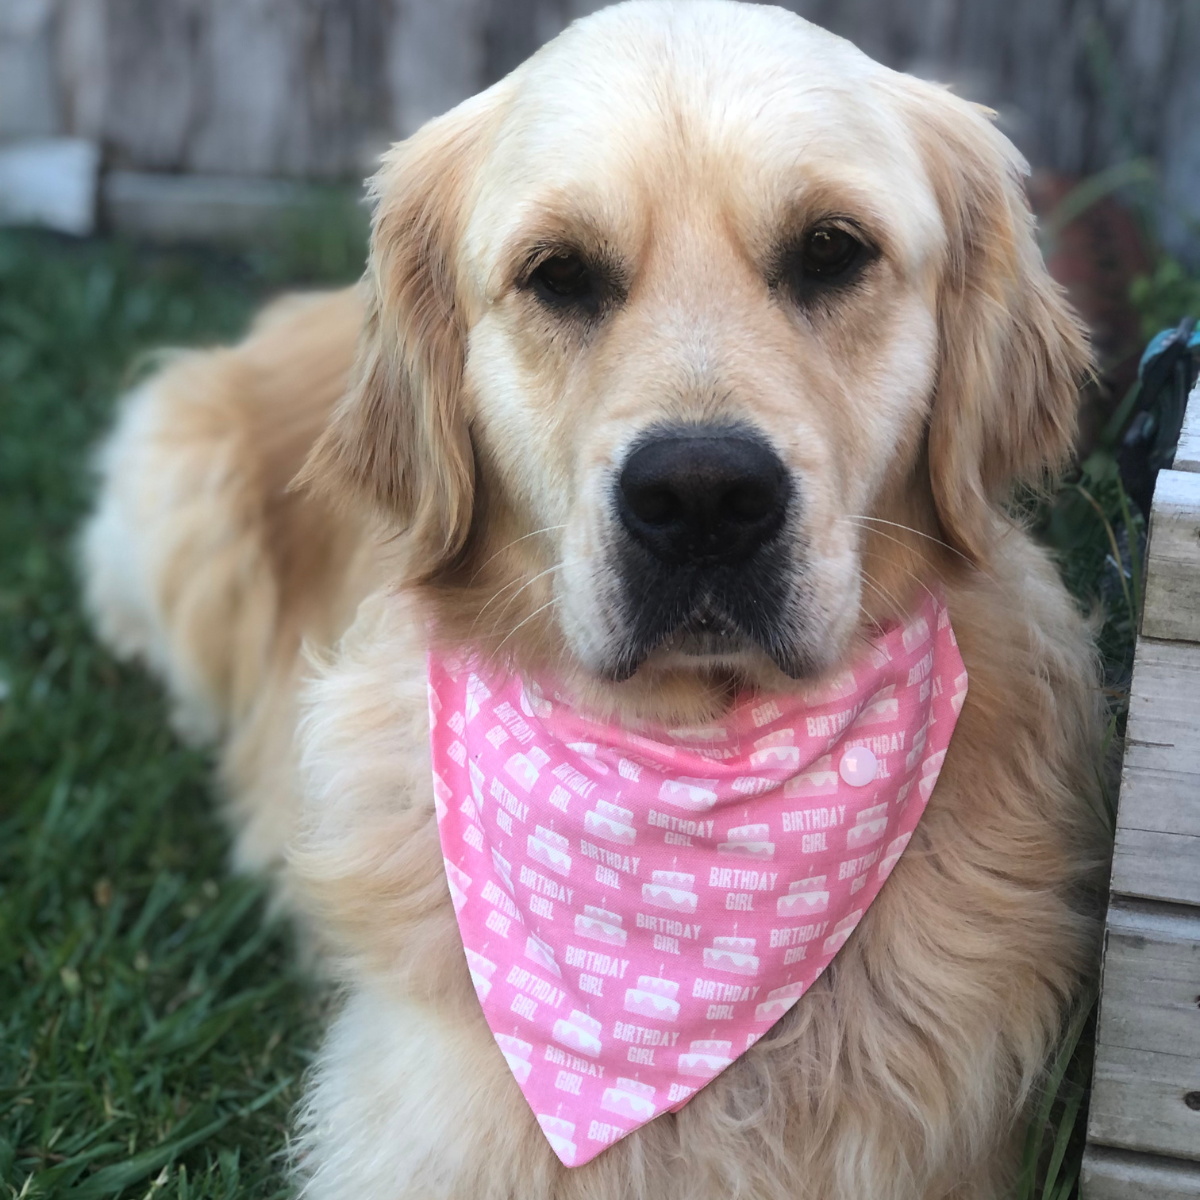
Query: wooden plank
{"x":1187,"y":453}
{"x":31,"y":101}
{"x":1162,"y":739}
{"x":1151,"y":997}
{"x":1157,"y":851}
{"x":1146,"y":1086}
{"x":1172,"y":606}
{"x":1141,"y":1101}
{"x":1157,"y":866}
{"x":1119,"y":1175}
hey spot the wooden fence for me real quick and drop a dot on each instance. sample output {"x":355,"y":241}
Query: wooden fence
{"x":313,"y":89}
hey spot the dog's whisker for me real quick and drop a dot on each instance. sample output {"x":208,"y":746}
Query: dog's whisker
{"x":908,"y":529}
{"x":530,"y":582}
{"x":542,"y":608}
{"x":571,"y":562}
{"x":890,"y":537}
{"x":901,"y":543}
{"x":492,"y":558}
{"x":921,"y":534}
{"x":511,"y":584}
{"x":877,"y":588}
{"x":911,"y":575}
{"x":881,"y":592}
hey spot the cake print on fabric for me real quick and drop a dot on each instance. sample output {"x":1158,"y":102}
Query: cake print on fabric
{"x":639,"y":905}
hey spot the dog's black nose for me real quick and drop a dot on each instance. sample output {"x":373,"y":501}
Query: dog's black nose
{"x":703,"y":496}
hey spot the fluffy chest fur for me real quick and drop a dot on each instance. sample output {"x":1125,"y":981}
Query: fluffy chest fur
{"x":953,"y":982}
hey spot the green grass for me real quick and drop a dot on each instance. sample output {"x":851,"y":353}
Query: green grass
{"x":154,"y":1030}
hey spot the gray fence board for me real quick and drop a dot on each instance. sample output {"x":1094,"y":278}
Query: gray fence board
{"x":314,"y":88}
{"x":1115,"y":1175}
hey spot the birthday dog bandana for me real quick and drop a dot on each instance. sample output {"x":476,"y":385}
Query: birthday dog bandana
{"x":639,"y":905}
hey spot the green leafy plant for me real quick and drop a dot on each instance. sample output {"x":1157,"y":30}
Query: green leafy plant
{"x":1166,"y":295}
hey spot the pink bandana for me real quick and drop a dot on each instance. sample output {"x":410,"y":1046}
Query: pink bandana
{"x":638,"y":907}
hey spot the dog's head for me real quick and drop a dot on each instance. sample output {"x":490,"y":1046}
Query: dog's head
{"x":693,"y":342}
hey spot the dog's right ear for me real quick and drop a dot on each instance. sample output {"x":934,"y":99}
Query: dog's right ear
{"x":399,"y":439}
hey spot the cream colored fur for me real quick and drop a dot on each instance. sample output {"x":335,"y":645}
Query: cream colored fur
{"x":453,"y":485}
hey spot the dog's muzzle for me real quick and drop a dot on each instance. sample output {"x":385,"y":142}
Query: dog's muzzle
{"x":704,"y":566}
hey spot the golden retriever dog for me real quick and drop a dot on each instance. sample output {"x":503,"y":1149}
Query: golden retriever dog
{"x":706,"y":221}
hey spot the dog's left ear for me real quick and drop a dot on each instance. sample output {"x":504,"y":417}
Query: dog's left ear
{"x":398,"y":442}
{"x":1013,"y":354}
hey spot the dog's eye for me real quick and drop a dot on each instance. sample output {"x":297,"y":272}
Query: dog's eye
{"x":563,"y":274}
{"x":829,"y":252}
{"x":826,"y":256}
{"x":564,"y":280}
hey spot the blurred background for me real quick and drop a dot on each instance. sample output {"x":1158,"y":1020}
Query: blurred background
{"x":165,"y":165}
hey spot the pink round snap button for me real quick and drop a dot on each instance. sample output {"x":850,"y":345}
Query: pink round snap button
{"x":858,"y":766}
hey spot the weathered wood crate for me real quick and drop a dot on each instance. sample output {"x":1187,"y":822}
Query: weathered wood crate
{"x":1144,"y":1128}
